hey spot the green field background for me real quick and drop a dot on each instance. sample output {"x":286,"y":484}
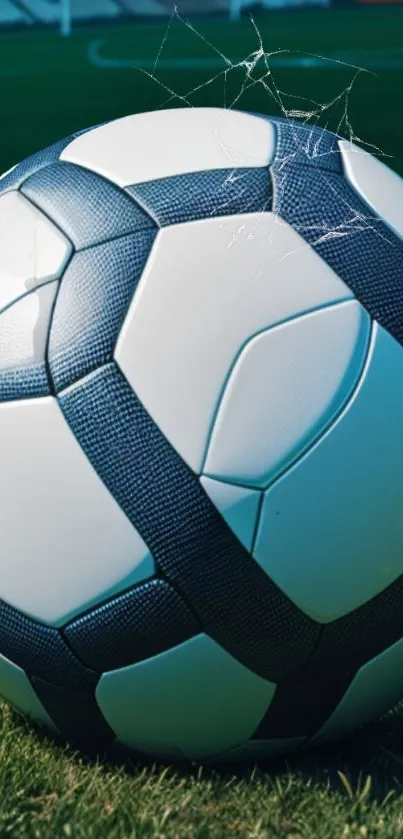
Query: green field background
{"x":49,"y":87}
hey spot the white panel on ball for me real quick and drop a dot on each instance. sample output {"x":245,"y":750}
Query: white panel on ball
{"x":318,"y":536}
{"x":24,"y":328}
{"x":239,"y":506}
{"x":32,"y":250}
{"x":158,"y":144}
{"x":182,"y":701}
{"x":16,"y":689}
{"x":207,"y":288}
{"x":287,"y":385}
{"x":73,"y":540}
{"x":378,"y":185}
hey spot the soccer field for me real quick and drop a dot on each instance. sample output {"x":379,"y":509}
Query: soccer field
{"x":343,"y":68}
{"x":352,"y":790}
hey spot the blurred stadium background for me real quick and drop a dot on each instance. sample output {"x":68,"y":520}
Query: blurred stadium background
{"x":336,"y":63}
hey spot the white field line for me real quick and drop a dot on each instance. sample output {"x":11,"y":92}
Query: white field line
{"x":372,"y":59}
{"x":359,"y":59}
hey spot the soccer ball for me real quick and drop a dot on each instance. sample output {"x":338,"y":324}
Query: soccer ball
{"x":201,"y":387}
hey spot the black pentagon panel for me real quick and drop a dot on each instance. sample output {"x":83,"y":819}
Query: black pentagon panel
{"x":199,"y":195}
{"x":76,"y":715}
{"x":234,"y":600}
{"x":131,"y":627}
{"x":327,"y":212}
{"x":37,"y":161}
{"x":354,"y":639}
{"x":28,"y":382}
{"x":40,"y":650}
{"x":85,"y":206}
{"x":94,"y":297}
{"x":306,"y":145}
{"x":300,"y":710}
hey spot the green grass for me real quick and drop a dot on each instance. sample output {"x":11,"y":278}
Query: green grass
{"x":349,"y":790}
{"x":49,"y":88}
